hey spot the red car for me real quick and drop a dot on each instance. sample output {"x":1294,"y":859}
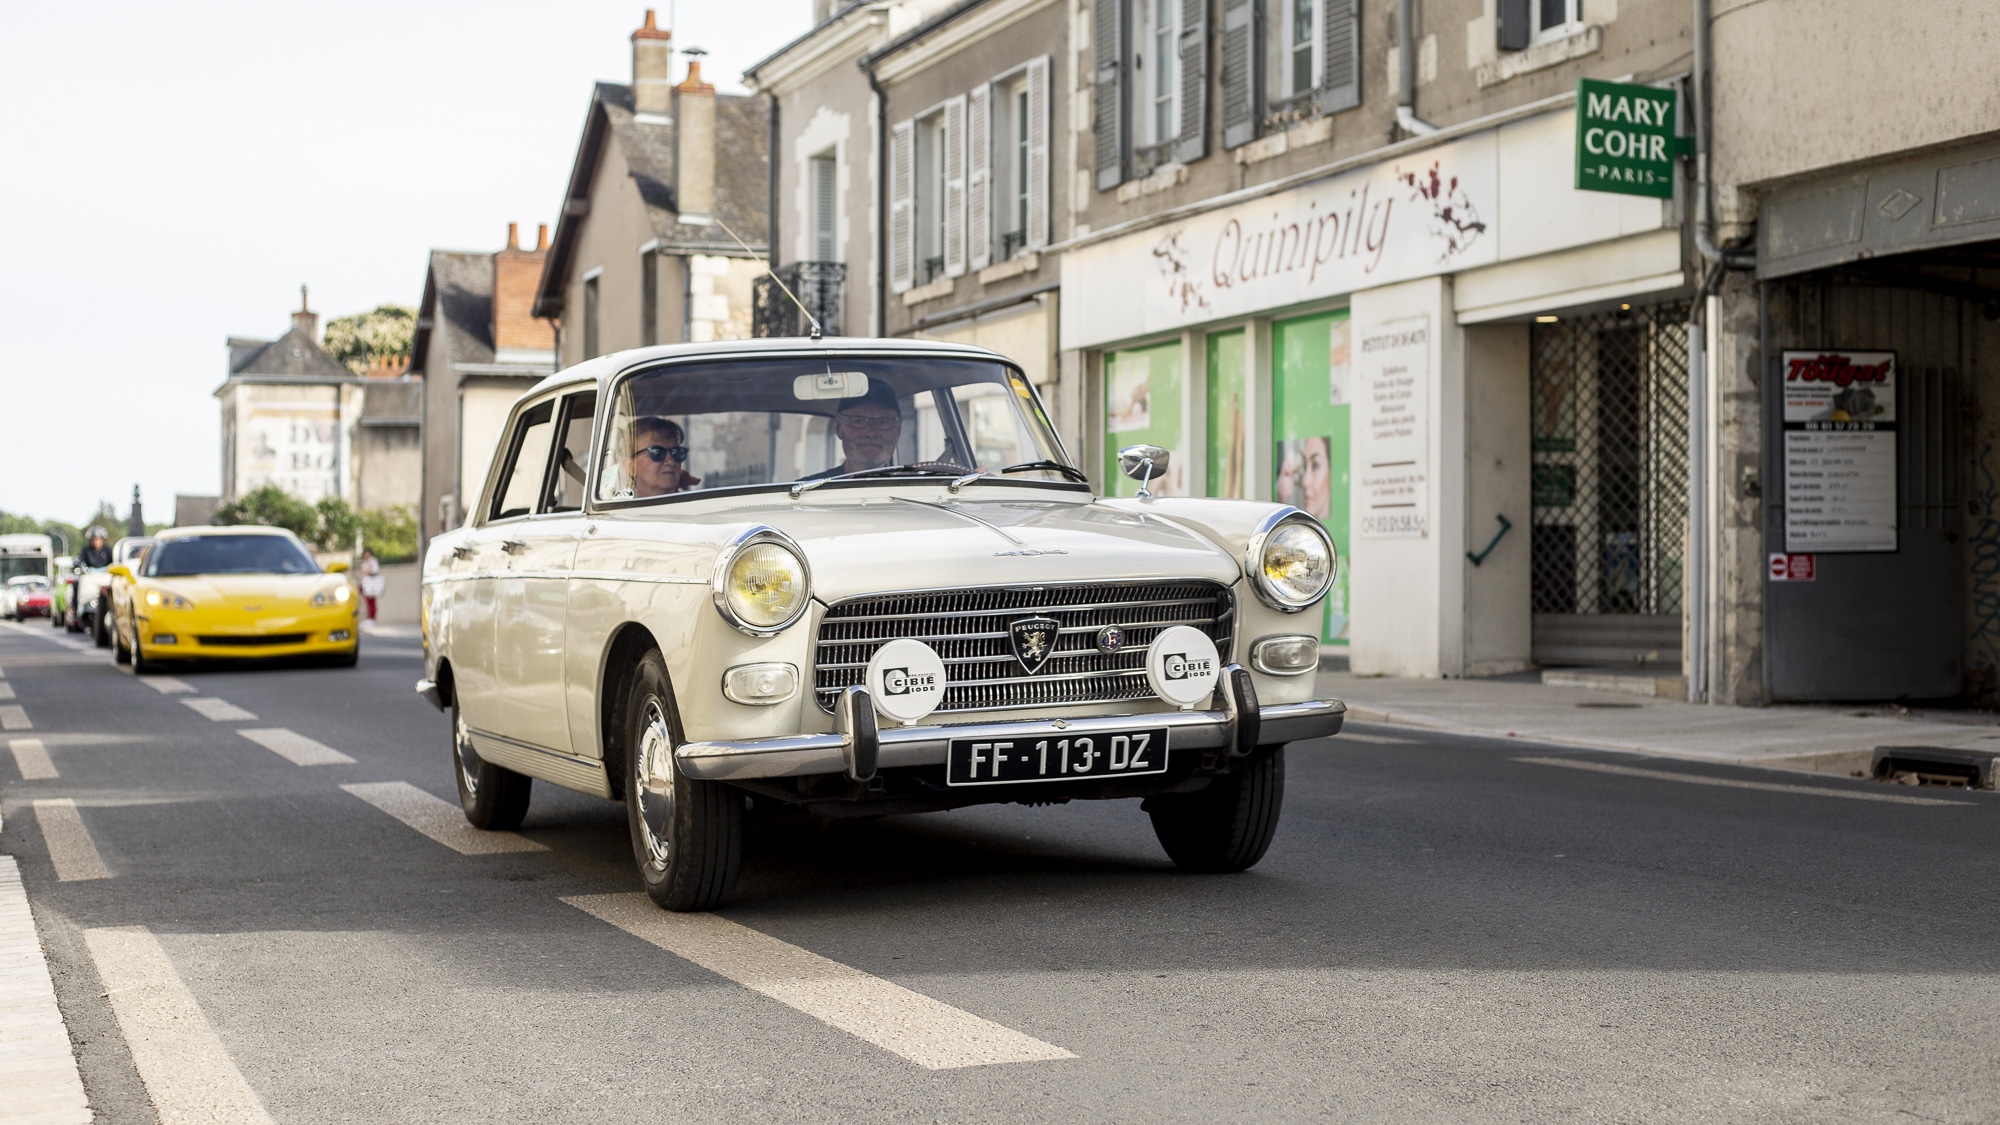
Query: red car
{"x":26,"y":596}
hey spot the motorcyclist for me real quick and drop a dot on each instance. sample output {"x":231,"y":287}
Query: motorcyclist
{"x":96,"y":555}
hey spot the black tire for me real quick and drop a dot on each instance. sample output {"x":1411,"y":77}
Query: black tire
{"x":494,"y":797}
{"x":140,"y":665}
{"x":1229,"y":825}
{"x":687,"y":835}
{"x":346,"y":659}
{"x":100,"y":624}
{"x":119,"y":653}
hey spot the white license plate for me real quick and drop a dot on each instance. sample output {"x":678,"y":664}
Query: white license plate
{"x":1130,"y":753}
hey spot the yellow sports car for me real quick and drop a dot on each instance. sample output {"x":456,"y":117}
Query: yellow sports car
{"x":233,"y":592}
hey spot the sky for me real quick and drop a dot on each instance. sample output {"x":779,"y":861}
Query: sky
{"x":172,"y":173}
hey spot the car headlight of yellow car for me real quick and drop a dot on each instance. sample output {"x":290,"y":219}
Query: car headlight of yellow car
{"x":334,"y":596}
{"x":761,"y":582}
{"x":166,"y":599}
{"x":1291,"y":561}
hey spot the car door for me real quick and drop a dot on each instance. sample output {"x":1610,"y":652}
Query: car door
{"x":486,"y":558}
{"x":528,"y":659}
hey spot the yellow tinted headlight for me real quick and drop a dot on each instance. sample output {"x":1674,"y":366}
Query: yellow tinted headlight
{"x":766,"y":586}
{"x":1297,"y":565}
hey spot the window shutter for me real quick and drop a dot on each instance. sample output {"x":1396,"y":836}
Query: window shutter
{"x":1109,"y":123}
{"x":954,"y":186}
{"x":979,"y":175}
{"x":1193,"y":142}
{"x":824,"y":224}
{"x":1514,"y":17}
{"x":1038,"y":153}
{"x":1340,"y":77}
{"x":902,"y":215}
{"x":1239,"y":72}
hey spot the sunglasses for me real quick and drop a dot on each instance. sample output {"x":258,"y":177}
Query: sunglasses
{"x":660,"y":453}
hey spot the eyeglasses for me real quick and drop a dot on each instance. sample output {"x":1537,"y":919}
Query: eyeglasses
{"x":869,"y":422}
{"x":660,"y":453}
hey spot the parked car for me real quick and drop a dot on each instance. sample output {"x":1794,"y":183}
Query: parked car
{"x":25,"y":596}
{"x":863,"y":577}
{"x":207,"y":593}
{"x":116,"y":595}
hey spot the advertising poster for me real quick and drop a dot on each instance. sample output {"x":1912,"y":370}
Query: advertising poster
{"x":1393,"y":430}
{"x":1310,"y":427}
{"x":1228,"y":428}
{"x":1142,"y":406}
{"x":1840,"y":451}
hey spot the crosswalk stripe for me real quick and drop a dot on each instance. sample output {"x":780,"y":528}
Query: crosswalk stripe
{"x":32,"y":759}
{"x":168,"y":685}
{"x":440,"y":820}
{"x":219,"y":710}
{"x":70,"y":846}
{"x":41,"y":1078}
{"x":294,"y":747}
{"x":6,"y":690}
{"x":15,"y":717}
{"x":927,"y":1032}
{"x":188,"y":1074}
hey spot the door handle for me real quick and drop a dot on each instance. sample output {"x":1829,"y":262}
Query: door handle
{"x":461,"y":553}
{"x":514,"y":546}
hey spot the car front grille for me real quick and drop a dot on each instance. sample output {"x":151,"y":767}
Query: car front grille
{"x":968,"y":628}
{"x":253,"y":642}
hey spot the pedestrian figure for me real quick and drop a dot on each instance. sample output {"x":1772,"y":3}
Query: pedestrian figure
{"x":372,"y":582}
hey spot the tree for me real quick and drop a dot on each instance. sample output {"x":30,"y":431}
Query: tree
{"x":391,"y":533}
{"x":272,"y":506}
{"x":373,"y":337}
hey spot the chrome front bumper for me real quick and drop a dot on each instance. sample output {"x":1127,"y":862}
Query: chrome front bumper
{"x":858,"y":749}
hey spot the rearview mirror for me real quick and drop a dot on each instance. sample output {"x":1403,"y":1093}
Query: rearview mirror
{"x":1144,"y":463}
{"x":830,"y":385}
{"x":119,"y":571}
{"x":336,"y":567}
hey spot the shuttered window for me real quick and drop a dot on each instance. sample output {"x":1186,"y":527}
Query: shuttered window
{"x":1036,"y":127}
{"x":1340,"y":56}
{"x":951,"y":160}
{"x":979,"y":175}
{"x":902,"y":206}
{"x":1193,"y":138}
{"x":1108,"y":112}
{"x":824,"y":212}
{"x":1240,"y":94}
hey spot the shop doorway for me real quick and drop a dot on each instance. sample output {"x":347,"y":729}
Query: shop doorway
{"x":1609,"y":478}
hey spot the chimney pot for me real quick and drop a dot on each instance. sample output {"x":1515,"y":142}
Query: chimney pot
{"x":541,"y":236}
{"x":513,"y":236}
{"x":306,"y":320}
{"x":694,"y":187}
{"x":652,"y":70}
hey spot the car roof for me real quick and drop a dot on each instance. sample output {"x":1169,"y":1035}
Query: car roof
{"x":230,"y":529}
{"x":607,"y":367}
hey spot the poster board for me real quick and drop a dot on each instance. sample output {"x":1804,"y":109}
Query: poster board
{"x":1840,"y":451}
{"x":1392,"y":428}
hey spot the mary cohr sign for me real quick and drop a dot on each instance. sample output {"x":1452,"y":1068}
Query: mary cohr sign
{"x":1625,"y":140}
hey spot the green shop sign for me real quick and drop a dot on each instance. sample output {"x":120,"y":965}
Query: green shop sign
{"x":1625,"y":140}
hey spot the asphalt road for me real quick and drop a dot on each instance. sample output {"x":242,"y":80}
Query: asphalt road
{"x":1447,"y":929}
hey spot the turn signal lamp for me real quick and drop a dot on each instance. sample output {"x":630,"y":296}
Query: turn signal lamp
{"x":1290,"y":655}
{"x":760,"y":684}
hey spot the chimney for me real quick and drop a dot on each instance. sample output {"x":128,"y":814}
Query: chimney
{"x":305,"y":320}
{"x":541,"y":236}
{"x":516,"y":275}
{"x":694,"y":187}
{"x":652,"y":72}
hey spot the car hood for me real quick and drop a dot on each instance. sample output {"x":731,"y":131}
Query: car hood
{"x":887,"y":543}
{"x":242,"y":591}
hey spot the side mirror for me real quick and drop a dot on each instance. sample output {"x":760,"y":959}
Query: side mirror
{"x":1143,"y":463}
{"x":119,"y":571}
{"x":336,"y":567}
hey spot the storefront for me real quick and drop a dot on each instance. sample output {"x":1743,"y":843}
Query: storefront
{"x":1403,"y":349}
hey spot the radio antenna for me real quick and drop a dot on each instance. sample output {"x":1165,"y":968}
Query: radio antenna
{"x":772,"y":274}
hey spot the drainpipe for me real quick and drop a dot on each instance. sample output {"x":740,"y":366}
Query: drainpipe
{"x":1704,"y":223}
{"x":881,"y":199}
{"x":1406,"y":72}
{"x":771,"y":189}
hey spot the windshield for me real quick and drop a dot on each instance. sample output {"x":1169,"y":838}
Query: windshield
{"x":748,"y":422}
{"x":229,"y":554}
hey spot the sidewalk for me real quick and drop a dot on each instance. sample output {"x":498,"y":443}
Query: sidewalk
{"x":1825,"y":739}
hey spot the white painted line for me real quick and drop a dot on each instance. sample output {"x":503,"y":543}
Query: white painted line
{"x":188,"y":1075}
{"x":32,"y":758}
{"x":1383,"y":739}
{"x":1732,"y":783}
{"x":167,"y":685}
{"x":440,"y":820}
{"x":15,"y":717}
{"x":294,"y":747}
{"x":6,"y":690}
{"x":927,"y":1032}
{"x":39,"y":1070}
{"x":220,"y":710}
{"x":70,"y":846}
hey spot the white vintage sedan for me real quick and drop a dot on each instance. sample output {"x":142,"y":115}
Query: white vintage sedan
{"x":863,"y":577}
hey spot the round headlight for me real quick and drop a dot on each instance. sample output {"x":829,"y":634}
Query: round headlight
{"x":765,"y":588}
{"x":1295,"y":566}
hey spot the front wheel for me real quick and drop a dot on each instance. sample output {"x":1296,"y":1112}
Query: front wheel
{"x":1229,"y":825}
{"x":100,"y":624}
{"x":493,"y":797}
{"x":687,"y":835}
{"x":119,"y":653}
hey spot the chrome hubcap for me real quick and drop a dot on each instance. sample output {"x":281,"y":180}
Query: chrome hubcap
{"x":468,"y":758}
{"x":653,"y":783}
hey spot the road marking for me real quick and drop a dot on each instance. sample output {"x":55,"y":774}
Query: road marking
{"x":41,"y":1078}
{"x":70,"y":846}
{"x":188,"y":1075}
{"x":927,"y":1032}
{"x":6,"y":690}
{"x":440,"y":820}
{"x":15,"y":717}
{"x":32,"y":758}
{"x":294,"y":747}
{"x":220,"y":710}
{"x":1731,"y":783}
{"x":167,"y":685}
{"x":1356,"y":736}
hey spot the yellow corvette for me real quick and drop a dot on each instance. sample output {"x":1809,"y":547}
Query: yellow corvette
{"x":232,"y":592}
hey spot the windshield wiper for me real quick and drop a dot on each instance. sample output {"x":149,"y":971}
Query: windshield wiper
{"x":1070,"y":471}
{"x":930,"y":470}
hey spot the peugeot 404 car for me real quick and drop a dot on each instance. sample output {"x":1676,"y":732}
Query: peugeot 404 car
{"x":863,"y":577}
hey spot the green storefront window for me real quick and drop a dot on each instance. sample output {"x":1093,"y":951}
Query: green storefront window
{"x":1311,"y":388}
{"x":1228,"y":424}
{"x":1142,"y":406}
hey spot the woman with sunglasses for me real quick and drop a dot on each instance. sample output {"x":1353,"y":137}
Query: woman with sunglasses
{"x":658,"y":465}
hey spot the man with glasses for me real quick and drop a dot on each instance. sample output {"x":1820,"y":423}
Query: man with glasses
{"x":869,"y":428}
{"x":658,"y":465}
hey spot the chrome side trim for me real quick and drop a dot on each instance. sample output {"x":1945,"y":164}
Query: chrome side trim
{"x":804,"y":754}
{"x":567,"y":770}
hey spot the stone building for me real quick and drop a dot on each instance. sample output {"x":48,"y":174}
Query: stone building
{"x":289,"y":415}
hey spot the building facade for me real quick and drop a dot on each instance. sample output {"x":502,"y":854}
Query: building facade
{"x":289,"y":416}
